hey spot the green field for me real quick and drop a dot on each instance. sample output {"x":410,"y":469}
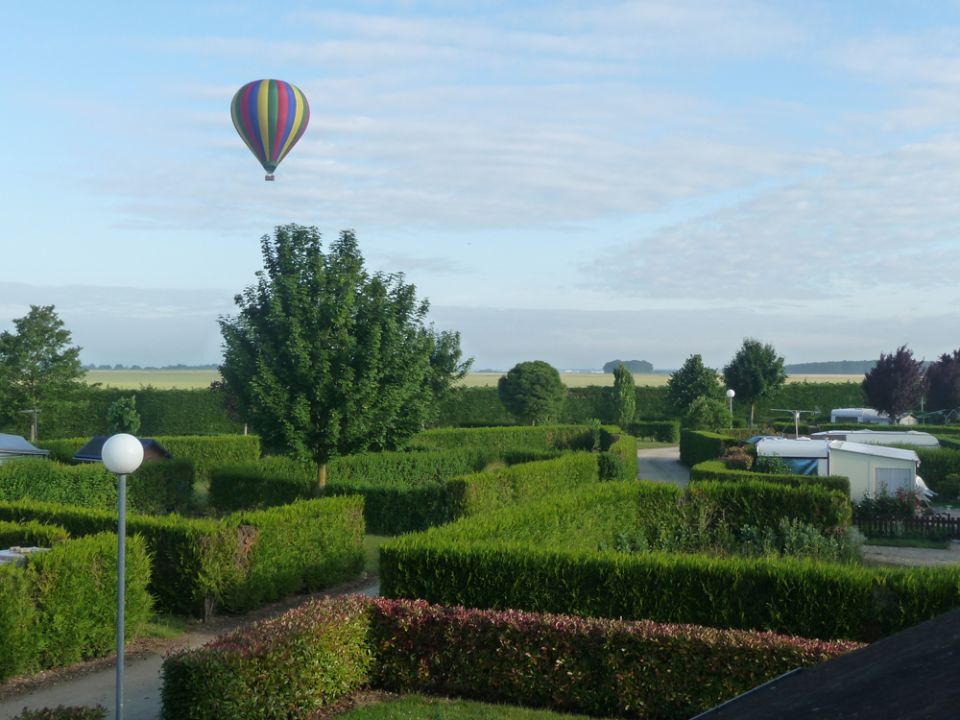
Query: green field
{"x":186,"y":379}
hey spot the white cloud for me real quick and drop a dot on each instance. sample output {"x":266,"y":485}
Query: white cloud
{"x":870,"y":233}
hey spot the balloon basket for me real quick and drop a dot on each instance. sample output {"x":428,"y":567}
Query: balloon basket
{"x":268,"y":178}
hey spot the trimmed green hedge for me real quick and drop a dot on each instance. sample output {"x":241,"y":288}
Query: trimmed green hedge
{"x":201,"y":564}
{"x":697,"y":446}
{"x":61,"y":607}
{"x":296,"y":664}
{"x":305,"y":546}
{"x":31,"y":534}
{"x":394,"y":509}
{"x":500,"y":440}
{"x":544,"y":557}
{"x":716,"y":471}
{"x":211,"y":451}
{"x":662,"y":430}
{"x":83,"y":413}
{"x":159,"y":486}
{"x":939,"y":469}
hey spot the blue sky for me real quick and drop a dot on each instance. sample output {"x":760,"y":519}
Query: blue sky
{"x":567,"y":181}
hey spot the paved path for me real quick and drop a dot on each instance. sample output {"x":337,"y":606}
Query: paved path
{"x":662,"y":465}
{"x":94,"y":682}
{"x":909,"y":556}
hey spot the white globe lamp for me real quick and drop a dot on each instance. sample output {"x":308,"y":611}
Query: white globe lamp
{"x":122,"y":454}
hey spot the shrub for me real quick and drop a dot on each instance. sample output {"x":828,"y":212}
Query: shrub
{"x":706,"y":413}
{"x":122,"y":416}
{"x":736,"y":458}
{"x":622,"y":465}
{"x":715,"y":471}
{"x":282,"y":667}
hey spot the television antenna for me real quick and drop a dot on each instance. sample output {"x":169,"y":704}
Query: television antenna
{"x":796,"y":418}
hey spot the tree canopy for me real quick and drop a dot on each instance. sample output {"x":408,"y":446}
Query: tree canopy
{"x":326,"y":359}
{"x":532,"y":392}
{"x":895,"y":385}
{"x":624,"y":396}
{"x":38,"y":364}
{"x":754,"y":372}
{"x":691,"y":381}
{"x":943,"y":382}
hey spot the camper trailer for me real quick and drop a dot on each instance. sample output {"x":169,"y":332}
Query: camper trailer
{"x":872,"y":469}
{"x":881,"y":437}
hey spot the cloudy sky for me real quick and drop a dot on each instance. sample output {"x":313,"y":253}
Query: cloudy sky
{"x":567,"y":181}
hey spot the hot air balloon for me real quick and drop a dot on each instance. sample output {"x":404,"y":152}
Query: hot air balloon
{"x":271,"y":116}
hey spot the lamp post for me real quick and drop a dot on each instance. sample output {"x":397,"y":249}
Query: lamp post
{"x":121,"y":454}
{"x":730,"y":395}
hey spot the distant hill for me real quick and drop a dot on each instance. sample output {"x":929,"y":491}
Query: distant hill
{"x":636,"y":367}
{"x":831,"y":367}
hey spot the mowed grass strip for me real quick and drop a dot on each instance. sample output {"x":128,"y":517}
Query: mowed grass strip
{"x":418,"y":707}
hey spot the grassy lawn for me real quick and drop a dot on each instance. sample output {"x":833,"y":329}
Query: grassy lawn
{"x":371,"y":549}
{"x":416,"y":707}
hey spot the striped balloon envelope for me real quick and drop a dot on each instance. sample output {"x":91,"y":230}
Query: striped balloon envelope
{"x":270,"y":116}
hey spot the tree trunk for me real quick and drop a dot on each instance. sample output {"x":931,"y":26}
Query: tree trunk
{"x":752,"y":405}
{"x":322,"y":477}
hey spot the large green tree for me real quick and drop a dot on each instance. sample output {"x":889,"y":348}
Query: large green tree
{"x":327,"y":359}
{"x":895,"y":385}
{"x":693,"y":380}
{"x":624,"y":396}
{"x":532,"y":391}
{"x":754,"y":372}
{"x":38,"y":365}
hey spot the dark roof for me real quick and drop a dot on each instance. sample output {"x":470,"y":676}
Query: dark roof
{"x":18,"y":445}
{"x":91,"y":452}
{"x":908,"y":676}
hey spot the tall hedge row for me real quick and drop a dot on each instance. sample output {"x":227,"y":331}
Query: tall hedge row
{"x":716,"y":471}
{"x":305,"y":660}
{"x":162,"y":412}
{"x":201,"y":564}
{"x":61,"y":607}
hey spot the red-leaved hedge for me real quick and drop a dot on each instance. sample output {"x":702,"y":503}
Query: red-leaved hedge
{"x":310,"y":656}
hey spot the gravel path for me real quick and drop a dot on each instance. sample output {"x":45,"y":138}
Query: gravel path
{"x":662,"y":465}
{"x":94,"y":682}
